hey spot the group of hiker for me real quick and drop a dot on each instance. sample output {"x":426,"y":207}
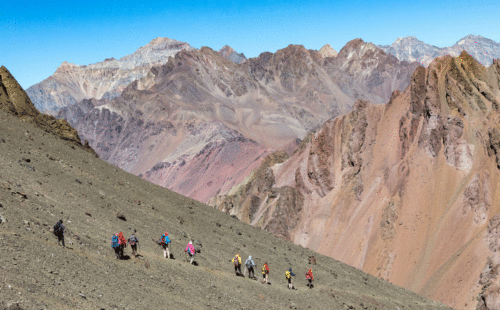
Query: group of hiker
{"x":118,"y":243}
{"x":250,"y":264}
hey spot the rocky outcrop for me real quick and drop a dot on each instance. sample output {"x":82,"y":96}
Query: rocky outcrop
{"x":489,"y":281}
{"x":405,"y":190}
{"x":201,"y":109}
{"x":14,"y":99}
{"x":107,"y":79}
{"x":413,"y":50}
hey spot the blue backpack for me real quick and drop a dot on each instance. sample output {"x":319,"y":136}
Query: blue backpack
{"x":164,"y":239}
{"x":114,"y":241}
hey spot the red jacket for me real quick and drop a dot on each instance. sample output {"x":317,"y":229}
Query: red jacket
{"x":121,"y":239}
{"x":309,"y":275}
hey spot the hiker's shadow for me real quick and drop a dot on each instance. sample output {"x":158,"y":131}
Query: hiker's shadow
{"x":125,"y":257}
{"x":195,"y":264}
{"x":172,"y":256}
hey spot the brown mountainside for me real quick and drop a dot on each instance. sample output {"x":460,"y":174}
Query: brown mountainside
{"x":200,"y":123}
{"x":406,"y":191}
{"x":43,"y":178}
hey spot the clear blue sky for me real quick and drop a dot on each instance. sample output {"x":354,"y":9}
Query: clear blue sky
{"x":36,"y":37}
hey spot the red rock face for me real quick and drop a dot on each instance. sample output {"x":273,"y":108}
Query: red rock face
{"x":200,"y":123}
{"x":405,"y":191}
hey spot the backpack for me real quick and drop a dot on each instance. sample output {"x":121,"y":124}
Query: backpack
{"x":287,"y":275}
{"x":132,"y":240}
{"x":236,"y":261}
{"x":114,"y":241}
{"x":249,"y":264}
{"x":164,"y":239}
{"x":57,"y":228}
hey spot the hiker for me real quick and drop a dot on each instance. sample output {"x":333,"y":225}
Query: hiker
{"x":250,"y":264}
{"x":310,"y":278}
{"x":115,"y":244}
{"x":288,"y":275}
{"x":59,"y":232}
{"x":123,"y":243}
{"x":164,"y":242}
{"x":237,"y":264}
{"x":133,"y":241}
{"x":190,"y":250}
{"x":265,"y":273}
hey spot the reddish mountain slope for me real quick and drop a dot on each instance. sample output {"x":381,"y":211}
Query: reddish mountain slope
{"x":406,"y":191}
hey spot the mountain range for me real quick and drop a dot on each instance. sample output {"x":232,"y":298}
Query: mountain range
{"x":45,"y":177}
{"x":413,"y":50}
{"x":328,"y":150}
{"x":204,"y":122}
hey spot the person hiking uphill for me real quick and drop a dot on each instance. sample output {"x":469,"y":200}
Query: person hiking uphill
{"x":164,"y":242}
{"x":250,"y":264}
{"x":190,"y":251}
{"x":59,"y":232}
{"x":123,"y":243}
{"x":310,"y":278}
{"x":115,"y":244}
{"x":133,"y":241}
{"x":237,"y":264}
{"x":288,"y":276}
{"x":265,"y":273}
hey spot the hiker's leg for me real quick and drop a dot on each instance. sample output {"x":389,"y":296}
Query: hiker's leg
{"x":168,"y":252}
{"x":164,"y":251}
{"x":192,"y":259}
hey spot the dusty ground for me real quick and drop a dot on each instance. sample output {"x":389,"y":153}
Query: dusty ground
{"x":43,"y":179}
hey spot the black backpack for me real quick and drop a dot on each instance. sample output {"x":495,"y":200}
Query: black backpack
{"x":57,"y":228}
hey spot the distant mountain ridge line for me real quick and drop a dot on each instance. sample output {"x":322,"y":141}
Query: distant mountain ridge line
{"x":411,"y":49}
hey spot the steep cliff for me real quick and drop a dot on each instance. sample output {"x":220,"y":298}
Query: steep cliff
{"x":406,"y":191}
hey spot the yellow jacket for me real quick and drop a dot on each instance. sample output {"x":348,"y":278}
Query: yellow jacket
{"x":238,"y":258}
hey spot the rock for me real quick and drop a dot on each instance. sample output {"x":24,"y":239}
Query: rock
{"x":120,"y":216}
{"x":312,"y":260}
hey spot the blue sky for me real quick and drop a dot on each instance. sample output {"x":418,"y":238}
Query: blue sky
{"x":36,"y":37}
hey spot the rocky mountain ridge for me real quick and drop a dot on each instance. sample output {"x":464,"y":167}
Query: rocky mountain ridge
{"x":411,"y":184}
{"x":203,"y":110}
{"x":411,"y":49}
{"x":43,"y":178}
{"x":107,"y":79}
